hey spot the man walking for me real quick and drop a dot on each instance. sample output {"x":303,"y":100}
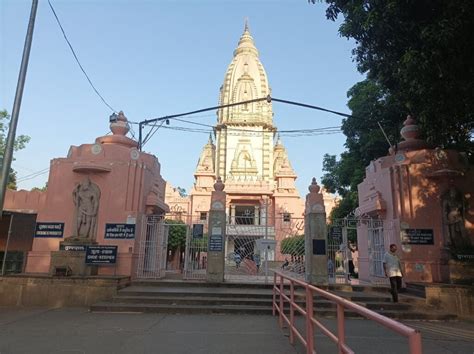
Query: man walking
{"x":393,"y":270}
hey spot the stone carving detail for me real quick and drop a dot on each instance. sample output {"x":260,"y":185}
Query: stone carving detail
{"x":243,"y":162}
{"x":86,"y":196}
{"x":454,"y":217}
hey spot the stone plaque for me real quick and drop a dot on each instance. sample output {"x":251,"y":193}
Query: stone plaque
{"x":319,"y":247}
{"x":120,"y":231}
{"x":215,"y":243}
{"x":418,"y":236}
{"x":49,"y":229}
{"x":101,"y":255}
{"x":198,"y":230}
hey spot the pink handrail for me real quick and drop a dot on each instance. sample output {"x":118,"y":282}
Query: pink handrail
{"x":413,"y":335}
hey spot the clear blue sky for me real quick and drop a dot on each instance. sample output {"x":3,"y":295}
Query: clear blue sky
{"x":154,"y":58}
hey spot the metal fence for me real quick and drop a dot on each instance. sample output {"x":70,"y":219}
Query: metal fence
{"x":195,"y":259}
{"x":284,"y":293}
{"x":152,"y":247}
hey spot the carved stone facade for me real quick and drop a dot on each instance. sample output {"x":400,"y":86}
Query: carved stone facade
{"x":255,"y":169}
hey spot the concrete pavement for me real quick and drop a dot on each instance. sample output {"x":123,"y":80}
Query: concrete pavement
{"x":76,"y":330}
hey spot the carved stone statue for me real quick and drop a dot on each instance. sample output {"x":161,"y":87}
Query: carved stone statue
{"x":86,"y":197}
{"x":453,"y":210}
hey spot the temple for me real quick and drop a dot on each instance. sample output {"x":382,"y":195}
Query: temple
{"x":250,"y":158}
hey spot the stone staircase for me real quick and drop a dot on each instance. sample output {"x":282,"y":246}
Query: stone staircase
{"x":171,"y":296}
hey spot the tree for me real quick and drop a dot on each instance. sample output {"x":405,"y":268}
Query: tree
{"x":42,"y":189}
{"x":293,"y":246}
{"x":420,"y":54}
{"x":182,"y":192}
{"x":20,"y":143}
{"x":176,"y":234}
{"x":365,"y":142}
{"x":417,"y":55}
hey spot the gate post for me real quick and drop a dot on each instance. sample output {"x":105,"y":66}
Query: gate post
{"x":216,"y":234}
{"x":315,"y":237}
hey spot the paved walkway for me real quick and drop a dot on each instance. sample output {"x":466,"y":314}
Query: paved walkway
{"x":75,"y":330}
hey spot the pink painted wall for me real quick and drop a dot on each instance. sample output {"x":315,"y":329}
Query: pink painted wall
{"x":405,"y":191}
{"x":130,"y":184}
{"x":24,"y":201}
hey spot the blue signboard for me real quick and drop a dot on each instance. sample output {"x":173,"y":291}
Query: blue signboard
{"x":198,"y":230}
{"x":215,"y":243}
{"x":418,"y":236}
{"x":119,"y":231}
{"x":101,"y":255}
{"x":49,"y":229}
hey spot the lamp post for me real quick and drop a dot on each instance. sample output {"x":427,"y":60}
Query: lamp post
{"x":8,"y":153}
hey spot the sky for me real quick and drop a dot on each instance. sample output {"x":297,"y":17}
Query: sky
{"x":156,"y":58}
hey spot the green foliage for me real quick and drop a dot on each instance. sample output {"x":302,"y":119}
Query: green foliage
{"x":42,"y":189}
{"x":293,"y":246}
{"x":364,"y":143}
{"x":201,"y":243}
{"x":176,"y":235}
{"x":182,"y":192}
{"x":417,"y":56}
{"x":20,"y":143}
{"x":420,"y":54}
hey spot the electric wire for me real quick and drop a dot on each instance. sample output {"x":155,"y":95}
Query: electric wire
{"x":150,"y":134}
{"x":232,"y":129}
{"x":32,"y":175}
{"x":75,"y":57}
{"x":292,"y":133}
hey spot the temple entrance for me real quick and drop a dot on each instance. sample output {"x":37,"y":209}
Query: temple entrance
{"x":379,"y":237}
{"x":255,"y":249}
{"x":195,"y":259}
{"x":243,"y":260}
{"x":152,"y":247}
{"x":344,"y":260}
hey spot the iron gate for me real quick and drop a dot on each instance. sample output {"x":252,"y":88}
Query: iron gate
{"x":379,"y":236}
{"x":152,"y":247}
{"x":195,"y":258}
{"x":245,"y":258}
{"x":291,"y":247}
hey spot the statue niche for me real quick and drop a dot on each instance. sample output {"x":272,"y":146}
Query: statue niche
{"x":454,"y":219}
{"x":243,"y":163}
{"x":86,"y":197}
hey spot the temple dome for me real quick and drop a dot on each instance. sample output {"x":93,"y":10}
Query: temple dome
{"x":245,"y":80}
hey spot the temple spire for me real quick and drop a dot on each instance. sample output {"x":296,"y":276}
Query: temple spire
{"x":246,"y":26}
{"x":246,"y":43}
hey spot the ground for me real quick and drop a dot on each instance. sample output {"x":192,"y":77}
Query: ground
{"x":76,"y":330}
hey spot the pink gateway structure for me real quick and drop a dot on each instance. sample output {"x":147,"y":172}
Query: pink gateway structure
{"x":108,"y":184}
{"x":420,"y":198}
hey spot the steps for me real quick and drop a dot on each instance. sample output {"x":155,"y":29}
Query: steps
{"x":231,"y":298}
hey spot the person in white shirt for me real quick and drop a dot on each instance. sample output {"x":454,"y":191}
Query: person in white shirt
{"x":346,"y":253}
{"x":393,"y":270}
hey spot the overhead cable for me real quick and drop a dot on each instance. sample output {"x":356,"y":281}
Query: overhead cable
{"x":75,"y":57}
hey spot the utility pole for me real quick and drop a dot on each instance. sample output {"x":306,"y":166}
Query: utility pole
{"x":8,"y":153}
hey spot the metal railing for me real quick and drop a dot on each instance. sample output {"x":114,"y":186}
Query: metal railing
{"x":413,"y":335}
